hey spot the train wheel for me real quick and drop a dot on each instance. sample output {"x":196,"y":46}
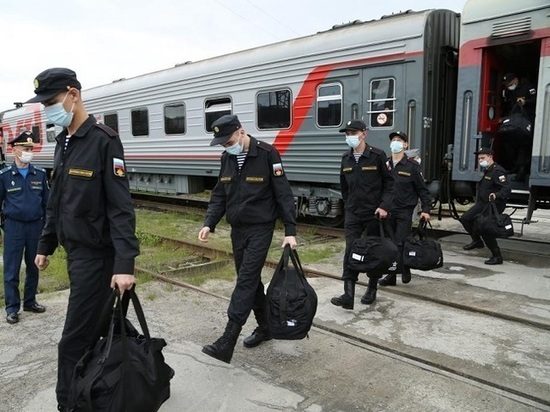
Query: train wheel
{"x":337,"y":221}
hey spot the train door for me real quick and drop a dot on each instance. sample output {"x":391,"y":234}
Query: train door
{"x":513,"y":152}
{"x":383,"y":103}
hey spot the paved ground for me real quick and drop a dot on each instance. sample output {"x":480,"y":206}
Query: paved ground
{"x":327,"y":372}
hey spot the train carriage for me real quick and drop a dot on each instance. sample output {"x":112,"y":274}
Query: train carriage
{"x":498,"y":37}
{"x":396,"y":73}
{"x":400,"y":72}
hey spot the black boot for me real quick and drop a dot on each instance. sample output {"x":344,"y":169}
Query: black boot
{"x":223,"y":348}
{"x":370,"y":295}
{"x":406,"y":275}
{"x":496,"y":259}
{"x":346,"y":300}
{"x":261,"y":333}
{"x":474,"y":244}
{"x":388,"y":280}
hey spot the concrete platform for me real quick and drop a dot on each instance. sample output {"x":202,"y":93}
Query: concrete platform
{"x":475,"y":361}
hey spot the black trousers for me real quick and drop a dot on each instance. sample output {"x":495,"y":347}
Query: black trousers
{"x":250,"y":246}
{"x":468,"y":218}
{"x":354,"y":226}
{"x":400,"y":222}
{"x":89,"y":289}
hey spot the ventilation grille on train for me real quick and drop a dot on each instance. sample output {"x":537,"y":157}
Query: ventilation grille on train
{"x":512,"y":27}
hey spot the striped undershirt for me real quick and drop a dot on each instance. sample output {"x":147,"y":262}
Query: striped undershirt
{"x":240,"y":159}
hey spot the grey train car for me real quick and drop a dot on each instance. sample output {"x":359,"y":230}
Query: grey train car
{"x":400,"y":72}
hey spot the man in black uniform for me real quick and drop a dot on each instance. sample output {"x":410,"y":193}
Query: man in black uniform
{"x":519,"y":97}
{"x":493,"y":187}
{"x":89,"y":213}
{"x":408,"y":187}
{"x":366,"y":186}
{"x":252,"y":191}
{"x":23,"y":195}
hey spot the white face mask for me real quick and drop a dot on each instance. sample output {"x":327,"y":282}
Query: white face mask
{"x":352,"y":141}
{"x":512,"y":87}
{"x":235,"y":149}
{"x":26,"y":157}
{"x":396,"y":146}
{"x":484,"y":163}
{"x":418,"y":160}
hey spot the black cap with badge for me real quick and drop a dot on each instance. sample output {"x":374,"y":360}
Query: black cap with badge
{"x":354,"y":125}
{"x":484,"y":151}
{"x":400,"y":134}
{"x":53,"y":81}
{"x":224,"y":127}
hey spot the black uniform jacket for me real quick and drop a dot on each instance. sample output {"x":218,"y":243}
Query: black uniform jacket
{"x":409,"y":185}
{"x":258,"y":193}
{"x":526,"y":91}
{"x":23,"y":199}
{"x":366,"y":185}
{"x":90,"y":210}
{"x":495,"y":181}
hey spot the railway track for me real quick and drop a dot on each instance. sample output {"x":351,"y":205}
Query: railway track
{"x":450,"y":370}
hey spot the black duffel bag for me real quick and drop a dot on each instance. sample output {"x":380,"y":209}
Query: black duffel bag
{"x":123,"y":371}
{"x":492,"y":223}
{"x":516,"y":124}
{"x":373,"y":254}
{"x":421,"y":251}
{"x":291,"y":300}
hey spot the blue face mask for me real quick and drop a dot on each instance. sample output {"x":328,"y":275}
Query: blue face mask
{"x":57,"y":114}
{"x":396,"y":146}
{"x":352,"y":141}
{"x":234,"y":149}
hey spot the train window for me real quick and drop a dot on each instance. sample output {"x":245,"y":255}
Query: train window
{"x":111,"y":120}
{"x":51,"y":133}
{"x":329,"y":104}
{"x":174,"y":118}
{"x":273,"y":109}
{"x":214,"y":109}
{"x":382,"y":98}
{"x":36,"y":132}
{"x":140,"y":122}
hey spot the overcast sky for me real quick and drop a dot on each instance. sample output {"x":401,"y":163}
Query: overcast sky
{"x":104,"y":40}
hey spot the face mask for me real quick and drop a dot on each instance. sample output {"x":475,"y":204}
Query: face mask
{"x":396,"y":146}
{"x":352,"y":141}
{"x":26,"y":157}
{"x":234,"y":149}
{"x":512,"y":87}
{"x":57,"y":114}
{"x":484,"y":163}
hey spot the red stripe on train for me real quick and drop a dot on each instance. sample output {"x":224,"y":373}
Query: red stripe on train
{"x":306,"y":97}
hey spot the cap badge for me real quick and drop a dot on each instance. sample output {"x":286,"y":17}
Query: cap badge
{"x":29,"y":140}
{"x":216,"y":129}
{"x":36,"y":84}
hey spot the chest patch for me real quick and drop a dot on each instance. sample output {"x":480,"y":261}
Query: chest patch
{"x":119,"y":169}
{"x":254,"y":179}
{"x":404,"y":173}
{"x":488,"y":177}
{"x":369,"y":168}
{"x":80,"y":172}
{"x":225,"y":179}
{"x":347,"y":169}
{"x":278,"y":169}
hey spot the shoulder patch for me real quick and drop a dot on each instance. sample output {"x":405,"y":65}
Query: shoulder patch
{"x":119,"y":168}
{"x":502,"y":178}
{"x":532,"y":91}
{"x":278,"y":169}
{"x":107,"y":129}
